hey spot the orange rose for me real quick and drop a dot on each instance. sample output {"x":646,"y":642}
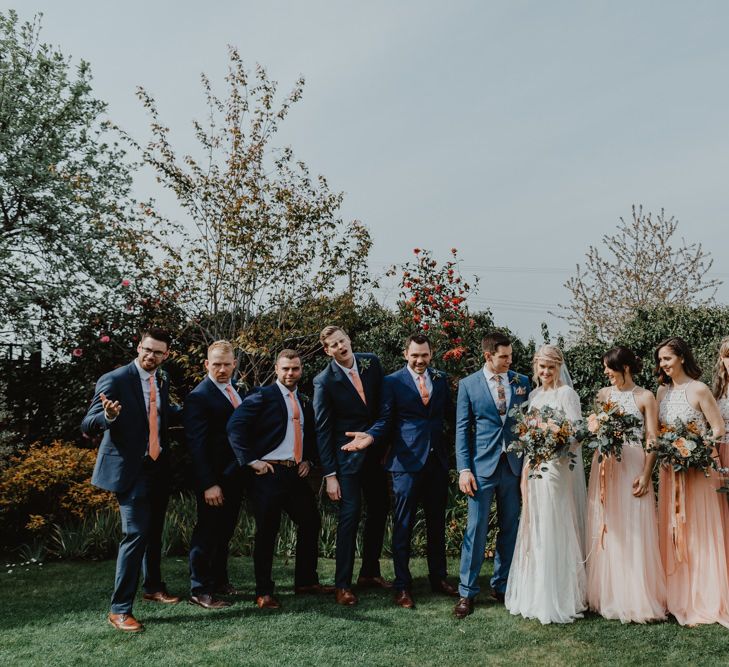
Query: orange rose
{"x":680,"y":445}
{"x":593,"y":423}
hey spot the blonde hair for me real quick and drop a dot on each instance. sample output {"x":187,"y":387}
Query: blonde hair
{"x":721,"y":377}
{"x":220,"y":346}
{"x":328,"y":331}
{"x":552,"y":354}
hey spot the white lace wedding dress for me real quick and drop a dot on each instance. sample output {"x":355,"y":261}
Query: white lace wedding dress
{"x":547,"y":579}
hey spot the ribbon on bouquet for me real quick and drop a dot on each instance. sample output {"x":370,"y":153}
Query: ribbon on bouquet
{"x":678,"y":516}
{"x":607,"y":461}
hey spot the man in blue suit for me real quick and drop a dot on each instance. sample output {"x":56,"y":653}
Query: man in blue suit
{"x":217,"y":477}
{"x":483,"y":432}
{"x":415,"y":402}
{"x":272,"y":432}
{"x":346,"y":404}
{"x":131,"y":408}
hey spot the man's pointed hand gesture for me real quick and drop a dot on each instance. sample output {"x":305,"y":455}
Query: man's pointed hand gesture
{"x":111,"y":408}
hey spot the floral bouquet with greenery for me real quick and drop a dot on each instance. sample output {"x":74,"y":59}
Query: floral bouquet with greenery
{"x":542,"y":435}
{"x":608,"y":428}
{"x":684,"y":445}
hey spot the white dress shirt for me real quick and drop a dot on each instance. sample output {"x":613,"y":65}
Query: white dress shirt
{"x":285,"y":451}
{"x":428,"y":381}
{"x":347,"y":371}
{"x":222,"y":386}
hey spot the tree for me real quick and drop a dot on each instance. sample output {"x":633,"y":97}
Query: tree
{"x":264,"y":236}
{"x":643,"y":270}
{"x":69,"y":232}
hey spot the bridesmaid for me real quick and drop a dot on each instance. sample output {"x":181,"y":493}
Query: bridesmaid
{"x":625,"y":578}
{"x":693,"y":521}
{"x":721,"y":394}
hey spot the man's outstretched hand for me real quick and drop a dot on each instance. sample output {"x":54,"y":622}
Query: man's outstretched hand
{"x":111,"y":408}
{"x":358,"y":442}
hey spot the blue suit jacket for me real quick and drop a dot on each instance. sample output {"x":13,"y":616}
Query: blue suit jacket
{"x":338,"y":409}
{"x":124,"y":443}
{"x":479,"y":431}
{"x":413,"y":429}
{"x":205,"y":418}
{"x":258,"y":425}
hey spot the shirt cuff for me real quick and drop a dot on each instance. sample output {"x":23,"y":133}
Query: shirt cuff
{"x":108,"y":420}
{"x":252,"y":463}
{"x":331,"y":474}
{"x":464,"y":470}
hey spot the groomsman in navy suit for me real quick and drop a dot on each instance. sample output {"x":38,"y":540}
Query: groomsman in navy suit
{"x":483,"y":433}
{"x":272,"y":432}
{"x":346,"y":404}
{"x":217,"y":477}
{"x":415,"y":402}
{"x":131,"y":408}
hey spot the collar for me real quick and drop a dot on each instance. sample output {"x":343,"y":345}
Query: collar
{"x":285,"y":391}
{"x":220,"y":385}
{"x":414,"y":375}
{"x":346,"y":370}
{"x":144,"y":375}
{"x":490,"y":376}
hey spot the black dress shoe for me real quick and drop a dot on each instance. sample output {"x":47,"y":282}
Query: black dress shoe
{"x":226,"y":589}
{"x":444,"y":587}
{"x":207,"y":601}
{"x":499,"y":597}
{"x":463,"y":608}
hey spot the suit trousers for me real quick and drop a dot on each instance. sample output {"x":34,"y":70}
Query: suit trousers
{"x":429,"y":487}
{"x":211,"y":537}
{"x":142,"y":509}
{"x":504,"y":484}
{"x":272,"y":493}
{"x":370,"y":482}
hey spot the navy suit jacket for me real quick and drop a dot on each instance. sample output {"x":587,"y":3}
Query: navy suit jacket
{"x":258,"y":425}
{"x":338,"y":409}
{"x":124,"y":443}
{"x":205,"y":418}
{"x":413,"y":429}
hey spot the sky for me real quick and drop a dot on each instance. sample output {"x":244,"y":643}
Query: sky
{"x":517,"y":132}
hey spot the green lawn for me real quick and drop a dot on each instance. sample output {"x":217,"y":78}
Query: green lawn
{"x":55,"y":615}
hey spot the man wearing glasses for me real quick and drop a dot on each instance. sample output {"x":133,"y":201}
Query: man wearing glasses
{"x":131,"y":408}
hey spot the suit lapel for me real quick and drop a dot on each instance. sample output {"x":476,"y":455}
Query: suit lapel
{"x":340,"y":377}
{"x":437,"y":388}
{"x":216,"y":395}
{"x":136,"y":382}
{"x":489,"y":399}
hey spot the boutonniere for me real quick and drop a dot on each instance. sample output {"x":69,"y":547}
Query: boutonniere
{"x":162,"y":377}
{"x":240,"y":384}
{"x":435,"y":374}
{"x":303,"y":399}
{"x":519,"y":388}
{"x":363,"y":364}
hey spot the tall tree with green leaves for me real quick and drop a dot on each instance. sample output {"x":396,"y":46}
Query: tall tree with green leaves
{"x":70,"y":231}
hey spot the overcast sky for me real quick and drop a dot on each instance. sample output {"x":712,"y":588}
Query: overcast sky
{"x":517,"y":132}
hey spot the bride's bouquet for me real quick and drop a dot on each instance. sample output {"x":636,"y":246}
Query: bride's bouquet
{"x":684,"y":445}
{"x":543,"y":434}
{"x":608,"y":428}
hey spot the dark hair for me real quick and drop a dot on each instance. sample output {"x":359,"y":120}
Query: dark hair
{"x":288,"y":354}
{"x":161,"y":335}
{"x":681,"y":349}
{"x":617,"y":358}
{"x":494,"y":339}
{"x":418,"y":339}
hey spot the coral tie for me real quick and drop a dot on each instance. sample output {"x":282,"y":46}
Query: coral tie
{"x":358,"y":385}
{"x":500,"y":395}
{"x":423,"y":390}
{"x":153,"y":432}
{"x":298,"y":440}
{"x":234,"y":398}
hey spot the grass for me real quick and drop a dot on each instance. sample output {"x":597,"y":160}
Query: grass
{"x":54,"y":614}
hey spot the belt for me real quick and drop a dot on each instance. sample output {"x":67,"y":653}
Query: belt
{"x":287,"y":463}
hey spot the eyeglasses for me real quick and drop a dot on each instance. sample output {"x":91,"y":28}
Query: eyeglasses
{"x":157,"y":354}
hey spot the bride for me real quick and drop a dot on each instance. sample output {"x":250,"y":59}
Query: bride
{"x":547,"y":580}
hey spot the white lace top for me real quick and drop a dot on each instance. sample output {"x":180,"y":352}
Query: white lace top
{"x":675,"y":406}
{"x":626,"y":401}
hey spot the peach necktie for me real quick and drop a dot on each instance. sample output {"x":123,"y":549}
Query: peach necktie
{"x":423,"y":390}
{"x":234,"y":398}
{"x":153,"y":431}
{"x":358,"y":385}
{"x":298,"y":442}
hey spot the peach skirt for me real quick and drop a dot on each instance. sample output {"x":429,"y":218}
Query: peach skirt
{"x":625,"y":576}
{"x":693,"y":525}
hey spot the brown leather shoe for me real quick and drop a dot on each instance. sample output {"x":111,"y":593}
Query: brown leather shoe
{"x":499,"y":597}
{"x":161,"y":596}
{"x":444,"y":587}
{"x":463,"y":607}
{"x":267,"y":602}
{"x":314,"y":589}
{"x":345,"y":596}
{"x":207,"y":601}
{"x":373,"y":582}
{"x":125,"y":622}
{"x":404,"y":599}
{"x":226,"y":589}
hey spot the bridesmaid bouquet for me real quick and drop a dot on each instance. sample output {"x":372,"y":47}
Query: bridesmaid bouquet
{"x":542,"y":435}
{"x":684,"y":445}
{"x":608,"y":428}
